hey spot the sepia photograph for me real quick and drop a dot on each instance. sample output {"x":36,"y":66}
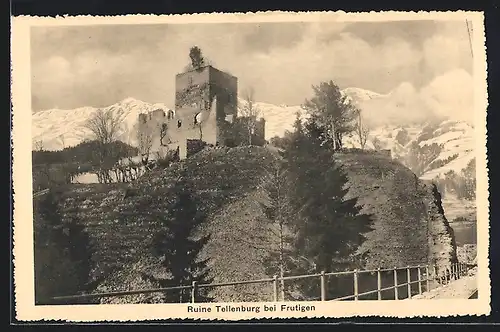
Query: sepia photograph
{"x":249,"y":167}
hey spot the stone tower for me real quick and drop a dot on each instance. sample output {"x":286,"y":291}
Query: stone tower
{"x":195,"y":90}
{"x":205,"y":113}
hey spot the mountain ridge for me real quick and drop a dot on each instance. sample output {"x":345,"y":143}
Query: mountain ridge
{"x":55,"y":129}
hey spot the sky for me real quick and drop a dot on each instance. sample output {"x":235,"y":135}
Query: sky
{"x":100,"y":65}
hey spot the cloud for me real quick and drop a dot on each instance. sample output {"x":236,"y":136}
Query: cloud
{"x":98,"y":66}
{"x":447,"y":96}
{"x":451,"y":95}
{"x":446,"y":52}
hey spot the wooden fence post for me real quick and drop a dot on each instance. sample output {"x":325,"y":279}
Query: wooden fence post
{"x":193,"y":292}
{"x":427,"y":278}
{"x":323,"y":286}
{"x":275,"y":288}
{"x":408,"y":281}
{"x":395,"y":283}
{"x":356,"y":292}
{"x":436,"y":279}
{"x":379,"y":285}
{"x":419,"y":275}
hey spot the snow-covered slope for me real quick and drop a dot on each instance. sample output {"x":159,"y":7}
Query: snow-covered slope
{"x":397,"y":121}
{"x":56,"y":128}
{"x":279,"y":119}
{"x":454,"y":138}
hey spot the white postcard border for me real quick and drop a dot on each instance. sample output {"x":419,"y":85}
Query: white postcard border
{"x":23,"y":210}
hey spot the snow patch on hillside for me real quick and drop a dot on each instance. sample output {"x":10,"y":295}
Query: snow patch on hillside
{"x":58,"y":128}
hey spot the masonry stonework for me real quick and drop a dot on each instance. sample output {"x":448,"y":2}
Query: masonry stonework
{"x":206,"y":107}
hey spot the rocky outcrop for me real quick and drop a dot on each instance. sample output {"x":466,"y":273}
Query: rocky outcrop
{"x":409,"y":226}
{"x":441,"y":240}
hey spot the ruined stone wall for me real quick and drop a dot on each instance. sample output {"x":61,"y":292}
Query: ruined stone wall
{"x":441,"y":238}
{"x":205,"y":109}
{"x":197,"y":89}
{"x":240,"y":132}
{"x":192,"y":89}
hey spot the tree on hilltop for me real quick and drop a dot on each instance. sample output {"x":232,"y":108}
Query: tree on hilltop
{"x":251,"y":113}
{"x":105,"y":127}
{"x":178,"y":248}
{"x":362,"y":130}
{"x":196,"y":56}
{"x":332,"y":112}
{"x":329,"y":226}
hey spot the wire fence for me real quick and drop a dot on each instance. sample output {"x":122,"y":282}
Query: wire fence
{"x":380,"y":284}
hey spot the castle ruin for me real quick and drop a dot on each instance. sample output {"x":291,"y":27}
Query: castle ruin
{"x":206,"y":113}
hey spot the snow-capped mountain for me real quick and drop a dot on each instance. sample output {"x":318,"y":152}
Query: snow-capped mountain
{"x":429,"y":145}
{"x":357,"y":94}
{"x":437,"y":148}
{"x":55,"y":129}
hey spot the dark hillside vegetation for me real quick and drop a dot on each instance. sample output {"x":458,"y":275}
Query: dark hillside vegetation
{"x":62,"y":250}
{"x":53,"y":168}
{"x":122,"y":219}
{"x":229,"y":184}
{"x":83,"y":153}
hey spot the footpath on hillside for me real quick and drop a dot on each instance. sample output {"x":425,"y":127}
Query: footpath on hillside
{"x":462,"y":288}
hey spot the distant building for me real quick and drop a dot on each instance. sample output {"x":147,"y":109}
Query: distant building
{"x":206,"y":110}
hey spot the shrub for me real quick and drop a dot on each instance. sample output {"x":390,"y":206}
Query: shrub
{"x":62,"y":253}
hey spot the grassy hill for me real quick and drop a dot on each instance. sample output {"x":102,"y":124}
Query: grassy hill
{"x":406,"y":214}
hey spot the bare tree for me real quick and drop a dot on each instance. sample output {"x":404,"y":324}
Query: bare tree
{"x":163,"y":133}
{"x":250,"y":112}
{"x":145,"y":134}
{"x":105,"y":127}
{"x":362,"y":129}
